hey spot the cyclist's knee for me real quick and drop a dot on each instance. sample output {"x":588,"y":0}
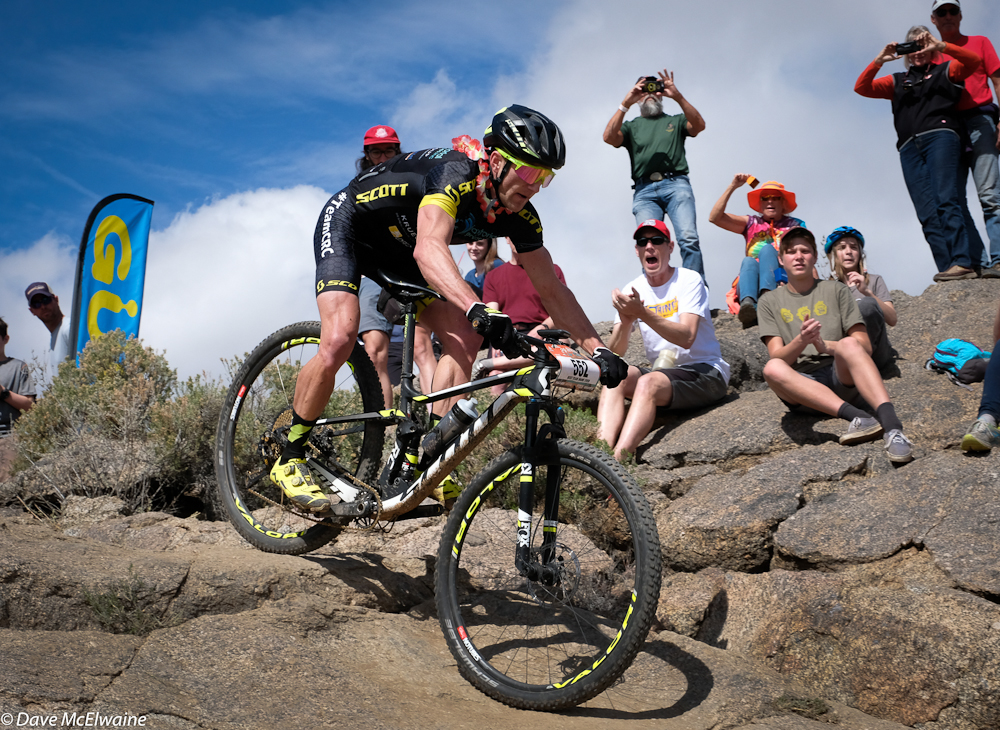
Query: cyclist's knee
{"x":335,"y":348}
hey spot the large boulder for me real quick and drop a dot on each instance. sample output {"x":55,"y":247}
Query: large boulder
{"x":908,"y":652}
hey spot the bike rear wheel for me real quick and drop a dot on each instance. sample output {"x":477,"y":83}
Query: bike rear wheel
{"x":540,"y":647}
{"x":253,"y":429}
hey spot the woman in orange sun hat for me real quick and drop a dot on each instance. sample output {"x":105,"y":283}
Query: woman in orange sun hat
{"x":762,"y":233}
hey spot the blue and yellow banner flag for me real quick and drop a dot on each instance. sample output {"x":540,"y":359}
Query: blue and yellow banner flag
{"x":111,"y":270}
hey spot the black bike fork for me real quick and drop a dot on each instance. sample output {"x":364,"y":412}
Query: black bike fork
{"x":535,"y":453}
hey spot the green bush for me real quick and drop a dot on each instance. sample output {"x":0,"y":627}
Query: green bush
{"x":122,"y":425}
{"x":126,"y":606}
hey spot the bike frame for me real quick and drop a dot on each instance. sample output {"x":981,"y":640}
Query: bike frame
{"x":531,"y":383}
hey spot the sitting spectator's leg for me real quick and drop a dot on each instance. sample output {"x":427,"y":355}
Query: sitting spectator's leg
{"x":377,"y":347}
{"x":877,"y":333}
{"x":984,"y":435}
{"x":653,"y":389}
{"x":611,"y":407}
{"x":423,"y":356}
{"x":680,"y":388}
{"x":749,"y":285}
{"x":854,"y":367}
{"x":459,"y":344}
{"x":798,"y":390}
{"x":769,"y":264}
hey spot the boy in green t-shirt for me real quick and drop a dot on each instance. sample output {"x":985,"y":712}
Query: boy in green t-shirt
{"x":820,"y":352}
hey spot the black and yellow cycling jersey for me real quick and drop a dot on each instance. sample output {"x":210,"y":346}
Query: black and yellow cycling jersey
{"x":372,"y":223}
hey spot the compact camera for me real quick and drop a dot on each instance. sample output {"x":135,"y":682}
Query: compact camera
{"x":907,"y":47}
{"x":651,"y":85}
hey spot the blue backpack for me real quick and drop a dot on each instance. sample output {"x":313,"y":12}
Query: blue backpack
{"x":961,"y":360}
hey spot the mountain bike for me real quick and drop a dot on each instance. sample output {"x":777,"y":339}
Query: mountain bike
{"x":548,"y":570}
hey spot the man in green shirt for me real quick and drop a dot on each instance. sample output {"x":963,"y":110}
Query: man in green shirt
{"x":820,"y":351}
{"x":655,"y":144}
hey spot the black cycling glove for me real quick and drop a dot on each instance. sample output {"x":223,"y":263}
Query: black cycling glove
{"x":495,"y":327}
{"x":613,"y":369}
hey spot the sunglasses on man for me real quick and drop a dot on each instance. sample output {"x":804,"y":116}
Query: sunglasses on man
{"x":40,"y":301}
{"x":529,"y":173}
{"x":655,"y":240}
{"x":947,"y":10}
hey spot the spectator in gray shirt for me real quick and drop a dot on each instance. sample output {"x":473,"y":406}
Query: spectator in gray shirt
{"x":17,"y":387}
{"x":845,"y":248}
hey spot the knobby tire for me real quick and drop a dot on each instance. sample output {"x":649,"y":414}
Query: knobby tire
{"x":516,"y":640}
{"x":253,"y":429}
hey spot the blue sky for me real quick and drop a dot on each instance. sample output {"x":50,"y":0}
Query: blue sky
{"x":240,"y":119}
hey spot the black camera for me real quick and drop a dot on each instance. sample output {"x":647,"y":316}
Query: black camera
{"x":651,"y":85}
{"x":907,"y":47}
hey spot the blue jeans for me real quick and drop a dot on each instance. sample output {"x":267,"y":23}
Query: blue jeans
{"x":674,"y":198}
{"x":930,"y":163}
{"x":984,"y":162}
{"x":757,"y":275}
{"x":990,"y":402}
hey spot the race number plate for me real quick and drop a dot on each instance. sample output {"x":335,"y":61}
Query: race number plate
{"x":575,"y":369}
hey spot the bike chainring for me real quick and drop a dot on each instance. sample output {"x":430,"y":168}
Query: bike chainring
{"x":273,"y":442}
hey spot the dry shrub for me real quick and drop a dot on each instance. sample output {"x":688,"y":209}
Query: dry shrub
{"x":121,"y":425}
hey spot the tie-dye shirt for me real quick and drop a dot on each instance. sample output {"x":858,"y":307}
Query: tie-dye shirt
{"x":760,"y":232}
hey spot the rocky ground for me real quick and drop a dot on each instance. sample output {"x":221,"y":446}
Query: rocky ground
{"x":806,"y":585}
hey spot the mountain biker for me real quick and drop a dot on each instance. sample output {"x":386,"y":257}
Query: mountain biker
{"x":401,"y":216}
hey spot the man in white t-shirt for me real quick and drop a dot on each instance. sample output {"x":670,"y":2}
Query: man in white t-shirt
{"x":671,"y":308}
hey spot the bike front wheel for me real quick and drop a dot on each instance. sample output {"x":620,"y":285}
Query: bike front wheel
{"x":253,"y":430}
{"x":549,"y":645}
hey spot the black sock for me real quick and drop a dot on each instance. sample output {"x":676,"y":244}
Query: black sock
{"x":886,"y":415}
{"x":298,"y":436}
{"x":849,"y":412}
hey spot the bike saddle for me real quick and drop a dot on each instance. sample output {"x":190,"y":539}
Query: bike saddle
{"x":405,"y":292}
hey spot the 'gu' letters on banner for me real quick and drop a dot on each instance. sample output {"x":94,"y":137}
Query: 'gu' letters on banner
{"x":111,"y":269}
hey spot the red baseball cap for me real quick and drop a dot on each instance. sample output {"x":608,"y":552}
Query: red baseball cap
{"x":652,"y":223}
{"x":381,"y":134}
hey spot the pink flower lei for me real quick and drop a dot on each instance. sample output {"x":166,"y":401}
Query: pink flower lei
{"x":474,"y":150}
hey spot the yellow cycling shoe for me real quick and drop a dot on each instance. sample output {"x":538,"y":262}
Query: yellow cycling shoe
{"x":297,"y":483}
{"x":447,"y":492}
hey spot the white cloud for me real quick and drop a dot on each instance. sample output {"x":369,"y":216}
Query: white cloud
{"x":51,"y":259}
{"x":774,"y":84}
{"x":222,"y":277}
{"x":776,"y":89}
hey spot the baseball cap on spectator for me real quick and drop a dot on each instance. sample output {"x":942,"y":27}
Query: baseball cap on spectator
{"x":39,"y":287}
{"x":652,"y":223}
{"x":938,"y":3}
{"x":796,"y":234}
{"x":772,"y":186}
{"x":381,"y":134}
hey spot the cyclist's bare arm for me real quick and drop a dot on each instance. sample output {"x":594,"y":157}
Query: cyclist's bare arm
{"x":434,"y":231}
{"x":559,"y":301}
